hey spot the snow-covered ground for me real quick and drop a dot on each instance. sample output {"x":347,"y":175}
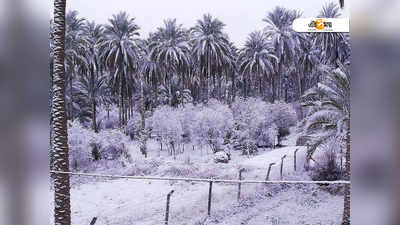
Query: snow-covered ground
{"x":123,"y":201}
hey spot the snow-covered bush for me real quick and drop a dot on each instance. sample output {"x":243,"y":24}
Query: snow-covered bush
{"x":187,"y":118}
{"x":166,"y":125}
{"x":254,"y":125}
{"x":259,"y":123}
{"x":107,"y":117}
{"x":212,"y":124}
{"x":85,"y":146}
{"x":284,"y":116}
{"x":134,"y":125}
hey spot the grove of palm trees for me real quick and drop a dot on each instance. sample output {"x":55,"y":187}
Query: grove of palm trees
{"x":189,"y":102}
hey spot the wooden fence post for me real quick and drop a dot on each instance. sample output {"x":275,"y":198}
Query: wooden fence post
{"x":294,"y":161}
{"x":269,"y":170}
{"x":239,"y":184}
{"x":93,"y":221}
{"x":167,"y":209}
{"x":209,"y":199}
{"x":283,"y":157}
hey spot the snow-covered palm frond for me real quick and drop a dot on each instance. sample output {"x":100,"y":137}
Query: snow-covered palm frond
{"x":330,"y":107}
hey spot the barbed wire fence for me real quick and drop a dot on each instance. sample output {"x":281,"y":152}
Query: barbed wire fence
{"x":241,"y":180}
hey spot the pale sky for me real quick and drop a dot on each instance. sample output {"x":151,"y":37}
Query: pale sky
{"x":241,"y":17}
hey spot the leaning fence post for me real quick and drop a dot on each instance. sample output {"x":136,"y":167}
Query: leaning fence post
{"x":283,"y":157}
{"x":167,"y":209}
{"x":295,"y":161}
{"x":269,"y":170}
{"x":209,"y":199}
{"x":239,"y":184}
{"x":93,"y":221}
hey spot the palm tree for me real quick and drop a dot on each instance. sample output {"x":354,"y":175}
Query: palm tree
{"x":334,"y":44}
{"x":74,"y":49}
{"x":330,"y":108}
{"x":284,"y":39}
{"x":210,"y":49}
{"x":151,"y":71}
{"x":256,"y":59}
{"x":62,"y":205}
{"x":119,"y":52}
{"x":309,"y":57}
{"x":92,"y":85}
{"x":170,"y":49}
{"x":330,"y":118}
{"x":90,"y":88}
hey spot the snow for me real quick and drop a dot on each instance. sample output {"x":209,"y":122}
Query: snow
{"x":125,"y":201}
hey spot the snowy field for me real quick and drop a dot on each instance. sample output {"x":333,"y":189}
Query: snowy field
{"x":123,"y":201}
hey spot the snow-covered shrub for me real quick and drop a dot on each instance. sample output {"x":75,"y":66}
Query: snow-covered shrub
{"x":134,"y":125}
{"x":255,"y":126}
{"x":212,"y":124}
{"x":260,"y":124}
{"x":284,"y":116}
{"x":187,"y":118}
{"x":107,"y":117}
{"x":165,"y":124}
{"x":328,"y":167}
{"x":80,"y":141}
{"x":85,"y":146}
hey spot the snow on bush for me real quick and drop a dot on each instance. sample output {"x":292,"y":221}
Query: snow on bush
{"x":212,"y":124}
{"x":255,"y":125}
{"x":85,"y":146}
{"x":134,"y":125}
{"x":284,"y":116}
{"x":260,"y":124}
{"x":166,"y":125}
{"x":107,"y":117}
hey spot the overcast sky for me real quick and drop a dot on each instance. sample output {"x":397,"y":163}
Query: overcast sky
{"x":240,"y":16}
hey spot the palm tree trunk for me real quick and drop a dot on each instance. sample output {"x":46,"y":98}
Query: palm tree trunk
{"x":62,"y":205}
{"x":347,"y":187}
{"x":273,"y":87}
{"x":94,"y":115}
{"x":71,"y":100}
{"x":208,"y":76}
{"x":121,"y":107}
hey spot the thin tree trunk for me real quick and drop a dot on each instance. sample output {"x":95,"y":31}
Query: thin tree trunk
{"x":94,"y":125}
{"x":62,"y":205}
{"x":347,"y":187}
{"x":273,"y":86}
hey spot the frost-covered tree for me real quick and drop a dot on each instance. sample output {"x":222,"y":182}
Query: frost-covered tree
{"x":166,"y":125}
{"x":212,"y":124}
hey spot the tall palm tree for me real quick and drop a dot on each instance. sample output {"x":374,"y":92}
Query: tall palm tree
{"x":256,"y":59}
{"x":210,"y":49}
{"x":170,"y":49}
{"x":284,"y":39}
{"x":119,"y":52}
{"x":151,"y":71}
{"x":62,"y":205}
{"x":309,"y":58}
{"x":74,"y":49}
{"x":92,"y":84}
